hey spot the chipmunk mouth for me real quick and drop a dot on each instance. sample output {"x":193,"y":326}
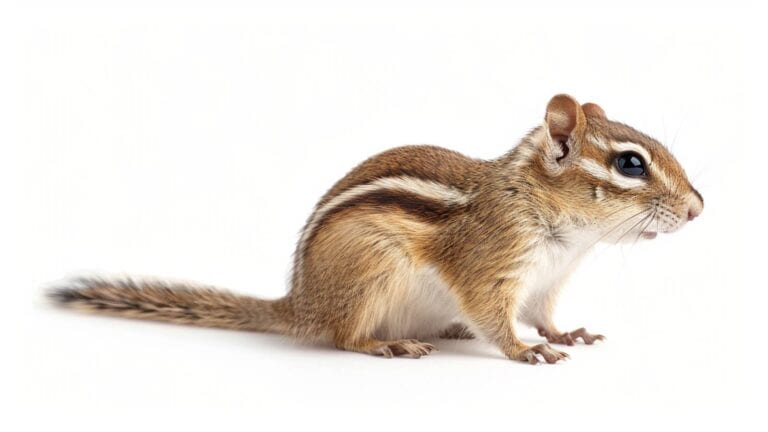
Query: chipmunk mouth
{"x":649,"y":235}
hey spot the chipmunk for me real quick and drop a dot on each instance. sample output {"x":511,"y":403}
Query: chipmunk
{"x":421,"y":241}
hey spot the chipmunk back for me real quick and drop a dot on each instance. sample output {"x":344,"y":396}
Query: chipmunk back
{"x":420,"y":242}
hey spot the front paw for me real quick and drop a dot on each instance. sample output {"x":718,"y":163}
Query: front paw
{"x":569,"y":338}
{"x":533,"y":355}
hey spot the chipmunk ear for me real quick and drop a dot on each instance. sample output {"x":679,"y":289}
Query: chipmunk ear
{"x":593,"y":110}
{"x":566,"y":122}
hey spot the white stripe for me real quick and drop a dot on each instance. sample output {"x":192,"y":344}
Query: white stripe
{"x":599,"y":142}
{"x":595,"y":169}
{"x":426,"y":188}
{"x":599,"y":193}
{"x":610,"y":175}
{"x":630,"y":146}
{"x":625,"y":182}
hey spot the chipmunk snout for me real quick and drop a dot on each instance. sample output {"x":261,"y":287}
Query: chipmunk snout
{"x":696,"y":205}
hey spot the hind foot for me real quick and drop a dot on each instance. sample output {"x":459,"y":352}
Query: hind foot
{"x":394,"y":348}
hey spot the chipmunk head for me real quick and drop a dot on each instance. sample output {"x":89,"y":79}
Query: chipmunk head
{"x":618,"y":179}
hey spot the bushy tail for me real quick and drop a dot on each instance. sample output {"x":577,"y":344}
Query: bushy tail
{"x":176,"y":303}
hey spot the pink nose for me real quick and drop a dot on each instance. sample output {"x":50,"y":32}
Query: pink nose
{"x":693,"y":213}
{"x":695,"y":209}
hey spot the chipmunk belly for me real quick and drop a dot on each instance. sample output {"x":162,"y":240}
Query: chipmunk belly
{"x":423,"y":306}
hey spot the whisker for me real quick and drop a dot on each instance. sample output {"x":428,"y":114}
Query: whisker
{"x":619,"y":209}
{"x":657,"y":225}
{"x":618,"y":225}
{"x":634,"y":226}
{"x":650,"y":221}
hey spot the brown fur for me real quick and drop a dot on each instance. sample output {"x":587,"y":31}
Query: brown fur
{"x":419,"y":161}
{"x":174,"y":302}
{"x":476,"y":226}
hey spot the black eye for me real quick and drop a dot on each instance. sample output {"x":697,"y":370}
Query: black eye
{"x":631,"y":164}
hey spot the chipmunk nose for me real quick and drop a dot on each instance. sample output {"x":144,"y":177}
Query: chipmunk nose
{"x":696,"y":205}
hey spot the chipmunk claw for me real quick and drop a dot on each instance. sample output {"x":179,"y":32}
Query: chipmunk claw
{"x":569,"y":338}
{"x":406,"y":347}
{"x":531,"y":354}
{"x":587,"y":337}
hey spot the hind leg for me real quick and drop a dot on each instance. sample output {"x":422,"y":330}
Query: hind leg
{"x":358,"y":274}
{"x":366,"y":331}
{"x":392,"y":348}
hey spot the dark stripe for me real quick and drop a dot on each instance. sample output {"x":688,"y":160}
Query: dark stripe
{"x":132,"y":298}
{"x":67,"y":295}
{"x":395,"y":172}
{"x":426,"y":209}
{"x":415,"y":205}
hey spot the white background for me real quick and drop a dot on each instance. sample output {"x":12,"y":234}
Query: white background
{"x":192,"y":142}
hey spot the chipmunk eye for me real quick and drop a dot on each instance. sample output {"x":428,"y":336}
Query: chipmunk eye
{"x":631,"y":164}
